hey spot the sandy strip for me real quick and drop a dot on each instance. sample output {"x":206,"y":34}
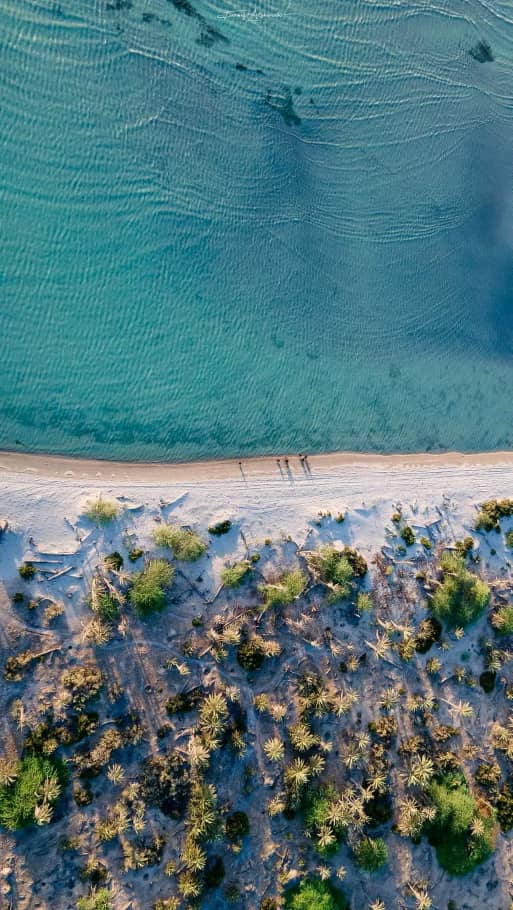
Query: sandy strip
{"x":57,"y":466}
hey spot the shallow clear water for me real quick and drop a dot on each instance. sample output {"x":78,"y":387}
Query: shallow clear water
{"x":231,"y":228}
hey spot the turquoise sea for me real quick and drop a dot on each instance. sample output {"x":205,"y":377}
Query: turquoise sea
{"x":242,"y":226}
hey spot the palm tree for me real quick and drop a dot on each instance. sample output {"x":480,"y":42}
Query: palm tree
{"x":274,"y":749}
{"x":420,"y":772}
{"x":344,"y":701}
{"x":115,"y":773}
{"x":302,"y":737}
{"x":193,"y":856}
{"x":43,"y":814}
{"x":325,"y":837}
{"x":297,"y":774}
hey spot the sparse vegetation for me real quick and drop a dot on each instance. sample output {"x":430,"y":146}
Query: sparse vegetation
{"x":201,"y":742}
{"x":184,"y":542}
{"x":285,"y":589}
{"x":233,"y":576}
{"x":101,"y":511}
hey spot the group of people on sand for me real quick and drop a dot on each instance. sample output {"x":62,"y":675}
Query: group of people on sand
{"x":302,"y":458}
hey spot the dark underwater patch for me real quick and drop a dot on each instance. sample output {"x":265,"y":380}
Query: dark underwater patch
{"x":482,"y":52}
{"x":283,"y":104}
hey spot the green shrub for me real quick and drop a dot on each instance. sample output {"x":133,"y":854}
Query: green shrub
{"x":95,"y":900}
{"x":185,"y":543}
{"x":284,"y":591}
{"x":491,"y":512}
{"x":338,"y":568}
{"x":101,"y":511}
{"x":462,"y":596}
{"x":458,"y":849}
{"x":233,"y":576}
{"x":147,"y":593}
{"x":27,"y":571}
{"x":36,"y":783}
{"x":222,"y":527}
{"x":463,"y":547}
{"x":408,"y":535}
{"x":316,"y":808}
{"x":371,"y":853}
{"x":105,"y":607}
{"x":237,"y":825}
{"x":426,"y":543}
{"x":314,"y":894}
{"x":508,"y":539}
{"x":364,"y":602}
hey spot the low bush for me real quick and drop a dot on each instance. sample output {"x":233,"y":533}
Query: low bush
{"x":428,"y":632}
{"x":27,"y":571}
{"x":84,"y":683}
{"x":491,"y":512}
{"x":185,"y":543}
{"x":214,"y":871}
{"x":233,"y":576}
{"x":462,"y":831}
{"x":364,"y":602}
{"x":370,"y":853}
{"x":314,"y":894}
{"x":165,"y":782}
{"x":285,"y":590}
{"x":462,"y":596}
{"x":30,"y":791}
{"x":408,"y":535}
{"x":183,"y":702}
{"x":148,"y":591}
{"x":114,"y":561}
{"x":504,"y":806}
{"x":338,"y":568}
{"x":502,"y":619}
{"x":135,"y":553}
{"x":487,"y":680}
{"x":237,"y":825}
{"x":101,"y":511}
{"x":105,"y":607}
{"x":316,"y":808}
{"x":96,"y":900}
{"x":250,"y":655}
{"x":222,"y":527}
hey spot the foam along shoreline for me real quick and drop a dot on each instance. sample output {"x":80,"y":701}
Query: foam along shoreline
{"x":66,"y":467}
